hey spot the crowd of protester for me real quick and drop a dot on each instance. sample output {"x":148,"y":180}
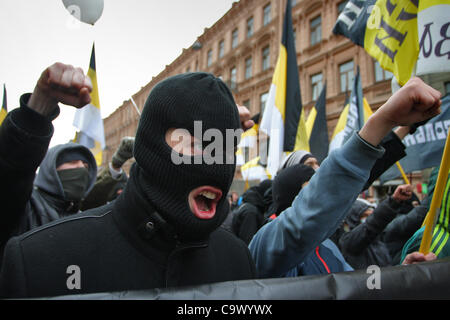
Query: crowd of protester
{"x":170,"y":225}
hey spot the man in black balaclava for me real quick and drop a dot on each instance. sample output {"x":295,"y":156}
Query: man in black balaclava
{"x":163,"y":229}
{"x":177,"y":104}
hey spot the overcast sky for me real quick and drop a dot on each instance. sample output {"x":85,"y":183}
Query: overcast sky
{"x":134,"y":41}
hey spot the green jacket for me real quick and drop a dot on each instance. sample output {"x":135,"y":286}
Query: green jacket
{"x":105,"y":190}
{"x":440,"y":245}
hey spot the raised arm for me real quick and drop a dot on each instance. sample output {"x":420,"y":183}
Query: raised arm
{"x":319,"y":208}
{"x":26,"y":133}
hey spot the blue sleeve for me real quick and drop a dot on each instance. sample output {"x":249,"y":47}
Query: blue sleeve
{"x":317,"y":210}
{"x":337,"y":253}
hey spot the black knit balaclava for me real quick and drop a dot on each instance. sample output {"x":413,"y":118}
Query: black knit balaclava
{"x":178,"y":102}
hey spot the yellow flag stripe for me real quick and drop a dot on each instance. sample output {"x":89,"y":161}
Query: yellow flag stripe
{"x":302,"y":138}
{"x":279,"y":80}
{"x":3,"y":114}
{"x":95,"y":101}
{"x":310,"y":121}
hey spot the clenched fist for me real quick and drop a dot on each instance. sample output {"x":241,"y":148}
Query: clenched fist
{"x":60,"y":83}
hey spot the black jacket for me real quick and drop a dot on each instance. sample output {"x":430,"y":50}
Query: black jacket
{"x":362,"y":246}
{"x":29,"y":202}
{"x":124,"y":245}
{"x":249,"y":217}
{"x":403,"y":227}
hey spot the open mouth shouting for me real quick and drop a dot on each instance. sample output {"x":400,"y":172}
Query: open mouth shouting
{"x":203,"y":201}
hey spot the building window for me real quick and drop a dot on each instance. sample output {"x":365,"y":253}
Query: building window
{"x":346,"y":75}
{"x":248,"y":68}
{"x":209,"y":60}
{"x":265,"y":58}
{"x":447,"y":87}
{"x":188,"y":69}
{"x":263,"y":101}
{"x":233,"y":78}
{"x":341,"y":6}
{"x":249,"y":27}
{"x":316,"y":30}
{"x":293,"y":3}
{"x":246,"y":103}
{"x":234,"y":38}
{"x":266,"y":19}
{"x":380,"y":73}
{"x":221,"y":48}
{"x":316,"y":86}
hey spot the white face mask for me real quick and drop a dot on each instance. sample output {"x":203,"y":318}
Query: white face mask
{"x":362,"y":220}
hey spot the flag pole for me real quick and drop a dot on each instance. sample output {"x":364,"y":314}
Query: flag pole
{"x":430,"y":219}
{"x":399,"y":166}
{"x":135,"y":106}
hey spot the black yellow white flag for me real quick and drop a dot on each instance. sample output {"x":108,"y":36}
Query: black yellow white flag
{"x":88,"y":119}
{"x":283,"y":119}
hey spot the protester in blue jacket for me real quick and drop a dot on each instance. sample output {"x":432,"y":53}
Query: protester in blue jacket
{"x":326,"y":257}
{"x":320,"y":207}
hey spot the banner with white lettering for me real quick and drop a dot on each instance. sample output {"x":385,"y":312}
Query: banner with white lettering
{"x":424,"y":148}
{"x":352,"y":21}
{"x":433,"y":21}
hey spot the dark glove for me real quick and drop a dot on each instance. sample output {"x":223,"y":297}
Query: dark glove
{"x":123,"y":152}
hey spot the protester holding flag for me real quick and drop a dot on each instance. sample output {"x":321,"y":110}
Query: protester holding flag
{"x":67,"y":172}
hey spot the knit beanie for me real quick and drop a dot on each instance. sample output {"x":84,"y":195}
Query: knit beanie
{"x":69,"y":155}
{"x":178,"y":102}
{"x":299,"y":156}
{"x":287,"y":185}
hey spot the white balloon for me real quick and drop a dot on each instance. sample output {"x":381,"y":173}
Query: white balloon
{"x":88,"y":11}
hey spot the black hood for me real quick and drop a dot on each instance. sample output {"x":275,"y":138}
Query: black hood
{"x":287,"y":185}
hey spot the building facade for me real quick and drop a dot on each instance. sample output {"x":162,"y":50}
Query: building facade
{"x":242,"y":48}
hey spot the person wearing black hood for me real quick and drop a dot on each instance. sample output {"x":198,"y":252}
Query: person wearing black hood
{"x":66,"y":172}
{"x":163,"y":229}
{"x":249,"y":217}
